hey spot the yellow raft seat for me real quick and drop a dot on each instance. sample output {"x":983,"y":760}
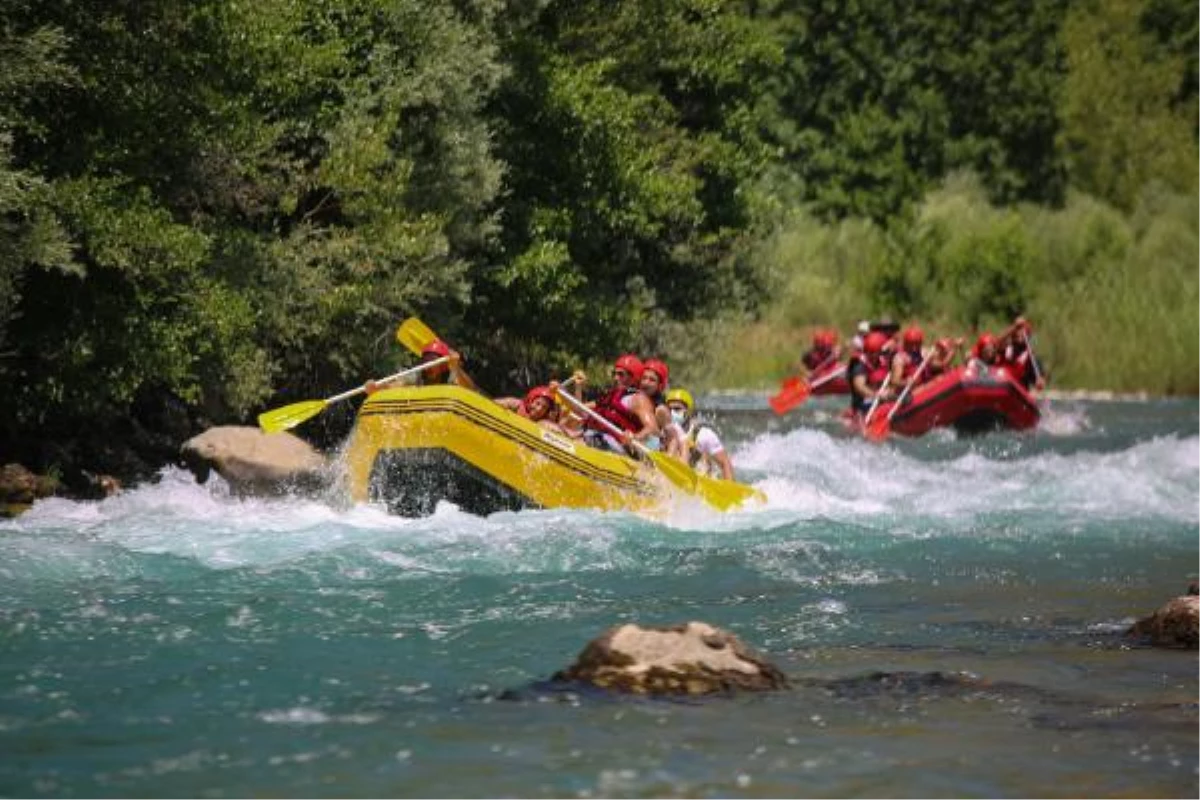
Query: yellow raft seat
{"x":413,"y":446}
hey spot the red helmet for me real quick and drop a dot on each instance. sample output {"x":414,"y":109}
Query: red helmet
{"x":539,"y":391}
{"x":913,"y":337}
{"x":631,"y":364}
{"x":436,"y":348}
{"x":874,"y":342}
{"x":659,"y":368}
{"x":825,"y":338}
{"x":984,"y":340}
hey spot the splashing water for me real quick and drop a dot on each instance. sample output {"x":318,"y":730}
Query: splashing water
{"x":177,"y":640}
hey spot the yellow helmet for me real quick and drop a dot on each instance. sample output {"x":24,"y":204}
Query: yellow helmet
{"x":682,"y":396}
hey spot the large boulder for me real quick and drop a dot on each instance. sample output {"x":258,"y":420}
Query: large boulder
{"x":256,"y":463}
{"x":1176,"y":624}
{"x":693,"y":659}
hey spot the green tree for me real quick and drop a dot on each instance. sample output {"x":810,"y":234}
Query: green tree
{"x":1125,"y":125}
{"x":627,"y":128}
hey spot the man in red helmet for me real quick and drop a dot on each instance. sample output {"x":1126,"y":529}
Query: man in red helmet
{"x":627,"y":407}
{"x":823,"y":354}
{"x":868,"y":372}
{"x":440,"y":374}
{"x":1020,"y":360}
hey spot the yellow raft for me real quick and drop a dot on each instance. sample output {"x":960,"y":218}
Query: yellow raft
{"x":414,"y":446}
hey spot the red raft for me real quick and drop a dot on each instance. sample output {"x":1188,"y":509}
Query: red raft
{"x":968,"y":402}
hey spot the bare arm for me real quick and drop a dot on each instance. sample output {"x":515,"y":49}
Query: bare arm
{"x":726,"y":465}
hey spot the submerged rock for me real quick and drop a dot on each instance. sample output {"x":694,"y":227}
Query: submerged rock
{"x":256,"y":463}
{"x":692,"y":659}
{"x":1176,"y":624}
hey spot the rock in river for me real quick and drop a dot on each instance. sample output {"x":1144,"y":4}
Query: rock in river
{"x":1176,"y":624}
{"x":695,"y":658}
{"x":254,"y":462}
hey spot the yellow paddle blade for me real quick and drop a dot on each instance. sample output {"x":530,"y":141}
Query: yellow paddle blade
{"x":675,"y":470}
{"x":280,"y":419}
{"x":415,"y":335}
{"x":726,"y":494}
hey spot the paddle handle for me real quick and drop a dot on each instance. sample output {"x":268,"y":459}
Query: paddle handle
{"x":388,"y":379}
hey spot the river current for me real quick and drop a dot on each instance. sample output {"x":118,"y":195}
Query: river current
{"x":950,"y":612}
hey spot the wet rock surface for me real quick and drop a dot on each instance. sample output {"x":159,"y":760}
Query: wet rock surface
{"x":255,"y":463}
{"x":690,"y":659}
{"x":1176,"y":624}
{"x":19,"y":488}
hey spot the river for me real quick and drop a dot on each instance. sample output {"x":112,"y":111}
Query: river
{"x":950,"y":612}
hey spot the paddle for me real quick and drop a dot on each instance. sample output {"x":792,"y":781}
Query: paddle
{"x":287,"y":417}
{"x":416,"y":336}
{"x":879,"y":431}
{"x":1033,"y":362}
{"x":875,"y":402}
{"x":795,"y":391}
{"x":675,"y":470}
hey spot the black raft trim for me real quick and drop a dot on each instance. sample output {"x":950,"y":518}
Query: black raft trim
{"x":411,"y":481}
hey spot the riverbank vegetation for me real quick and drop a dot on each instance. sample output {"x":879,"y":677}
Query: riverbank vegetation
{"x":215,"y":207}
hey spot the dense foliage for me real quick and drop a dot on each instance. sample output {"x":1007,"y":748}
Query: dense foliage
{"x":216,"y":206}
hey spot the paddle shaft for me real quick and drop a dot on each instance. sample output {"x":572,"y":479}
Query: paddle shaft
{"x":875,"y":403}
{"x":389,"y":379}
{"x":606,"y":424}
{"x":834,"y":375}
{"x":908,"y":386}
{"x":1037,"y":373}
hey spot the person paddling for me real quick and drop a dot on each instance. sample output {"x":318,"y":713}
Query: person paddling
{"x":821,"y":356}
{"x":705,"y":452}
{"x":626,"y":407}
{"x":908,"y":360}
{"x":867,"y":374}
{"x":539,"y":405}
{"x":655,"y":382}
{"x":984,"y":355}
{"x":438,"y":375}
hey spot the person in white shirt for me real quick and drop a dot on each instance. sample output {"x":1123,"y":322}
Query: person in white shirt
{"x":706,"y":453}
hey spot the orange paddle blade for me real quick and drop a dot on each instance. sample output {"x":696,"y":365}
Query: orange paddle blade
{"x":792,"y":393}
{"x":879,"y":428}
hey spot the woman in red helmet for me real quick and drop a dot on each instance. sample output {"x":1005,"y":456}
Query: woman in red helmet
{"x":538,"y":406}
{"x":655,"y":382}
{"x":868,"y":372}
{"x":984,"y":355}
{"x":908,"y":360}
{"x":626,"y":406}
{"x":942,"y":357}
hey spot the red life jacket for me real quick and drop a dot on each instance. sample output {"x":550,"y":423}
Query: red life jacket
{"x":876,"y":376}
{"x":612,"y":409}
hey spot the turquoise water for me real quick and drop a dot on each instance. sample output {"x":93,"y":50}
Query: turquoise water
{"x":949,"y":611}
